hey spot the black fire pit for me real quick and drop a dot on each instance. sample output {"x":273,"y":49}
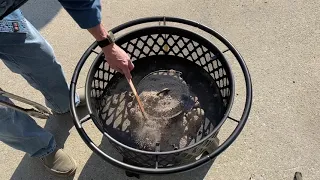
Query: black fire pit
{"x":169,"y":45}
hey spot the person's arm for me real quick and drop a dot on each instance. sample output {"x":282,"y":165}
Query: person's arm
{"x":116,"y":57}
{"x":87,"y":14}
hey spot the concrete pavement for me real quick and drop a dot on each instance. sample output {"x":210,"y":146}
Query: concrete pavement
{"x":279,"y":41}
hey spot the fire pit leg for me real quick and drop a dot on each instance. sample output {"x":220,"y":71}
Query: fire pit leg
{"x":297,"y":176}
{"x":128,"y":173}
{"x":131,"y":174}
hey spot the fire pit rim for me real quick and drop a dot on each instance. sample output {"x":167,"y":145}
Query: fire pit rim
{"x":220,"y":149}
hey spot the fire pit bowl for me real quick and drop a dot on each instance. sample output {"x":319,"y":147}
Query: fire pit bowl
{"x":171,"y":45}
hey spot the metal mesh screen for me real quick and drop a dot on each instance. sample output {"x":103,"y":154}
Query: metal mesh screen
{"x":169,"y":41}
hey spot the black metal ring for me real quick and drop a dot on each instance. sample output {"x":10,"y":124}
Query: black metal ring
{"x":199,"y":162}
{"x":214,"y":131}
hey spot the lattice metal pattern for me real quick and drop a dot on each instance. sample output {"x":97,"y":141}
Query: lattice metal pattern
{"x":175,"y":45}
{"x":166,"y":160}
{"x":168,"y":44}
{"x":101,"y":78}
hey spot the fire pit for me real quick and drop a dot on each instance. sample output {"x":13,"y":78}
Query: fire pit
{"x":199,"y":82}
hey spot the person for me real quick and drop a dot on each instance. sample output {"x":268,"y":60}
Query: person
{"x":24,"y":51}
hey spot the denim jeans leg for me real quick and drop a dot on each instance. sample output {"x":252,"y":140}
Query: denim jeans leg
{"x":21,"y":132}
{"x":28,"y":54}
{"x":33,"y":57}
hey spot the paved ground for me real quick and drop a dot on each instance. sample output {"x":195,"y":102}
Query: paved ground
{"x":279,"y":41}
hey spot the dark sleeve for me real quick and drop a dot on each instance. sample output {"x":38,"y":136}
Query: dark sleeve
{"x":86,"y":13}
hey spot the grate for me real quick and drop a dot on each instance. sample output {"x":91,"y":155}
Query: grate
{"x":172,"y":42}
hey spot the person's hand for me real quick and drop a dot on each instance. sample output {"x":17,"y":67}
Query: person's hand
{"x":118,"y":59}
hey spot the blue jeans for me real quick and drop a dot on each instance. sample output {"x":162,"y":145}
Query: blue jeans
{"x":27,"y":53}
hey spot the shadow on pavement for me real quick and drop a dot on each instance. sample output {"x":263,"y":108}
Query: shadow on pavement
{"x":96,"y":168}
{"x":32,"y":168}
{"x":40,"y":12}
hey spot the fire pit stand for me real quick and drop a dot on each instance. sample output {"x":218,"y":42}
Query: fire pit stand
{"x":176,"y":44}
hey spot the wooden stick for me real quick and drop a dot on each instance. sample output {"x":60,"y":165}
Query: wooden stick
{"x":137,"y":97}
